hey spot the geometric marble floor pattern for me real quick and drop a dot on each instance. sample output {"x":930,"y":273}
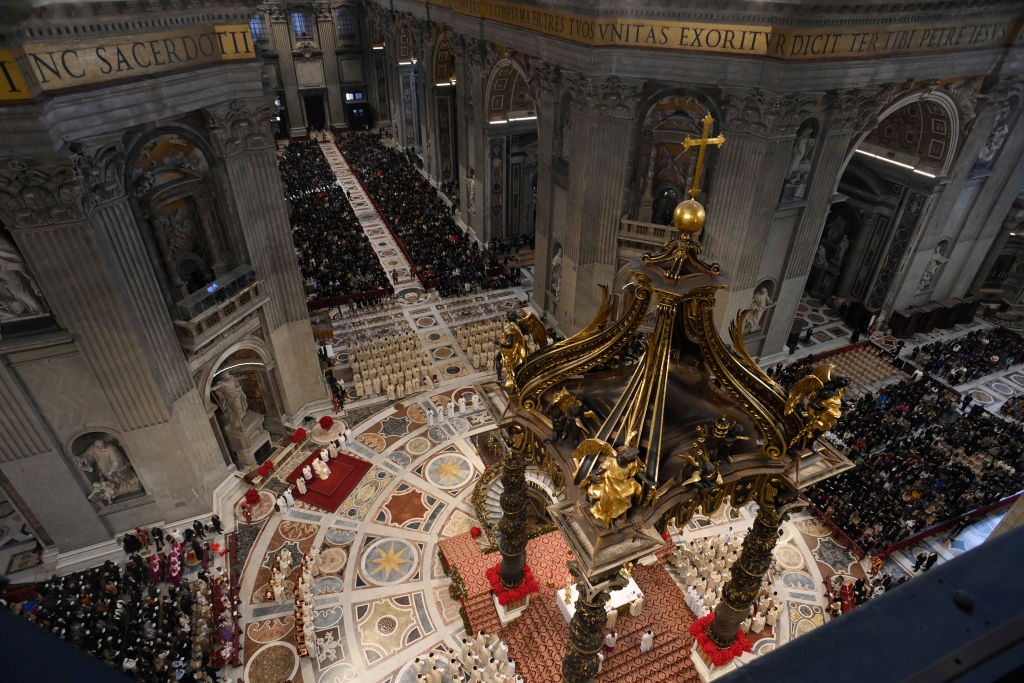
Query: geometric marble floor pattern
{"x":381,"y":598}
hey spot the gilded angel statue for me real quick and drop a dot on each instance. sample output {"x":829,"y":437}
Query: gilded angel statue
{"x":818,"y":400}
{"x":611,"y":495}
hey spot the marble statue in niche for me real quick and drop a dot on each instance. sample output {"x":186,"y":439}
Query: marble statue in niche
{"x":19,"y":294}
{"x":1000,"y":130}
{"x":759,"y":307}
{"x":556,"y":273}
{"x":108,"y":470}
{"x":231,"y":399}
{"x":471,"y":191}
{"x":795,"y":185}
{"x":935,"y":264}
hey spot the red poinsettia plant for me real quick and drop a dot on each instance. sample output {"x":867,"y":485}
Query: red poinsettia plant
{"x":326,"y":422}
{"x":718,"y":657}
{"x":265,"y":468}
{"x":299,"y":435}
{"x":475,"y":532}
{"x":505,"y":596}
{"x":252,"y":496}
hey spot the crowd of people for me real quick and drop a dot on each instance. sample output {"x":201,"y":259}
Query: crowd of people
{"x":919,"y":461}
{"x":335,"y":256}
{"x":442,"y":255}
{"x":143,"y":619}
{"x":970,"y":357}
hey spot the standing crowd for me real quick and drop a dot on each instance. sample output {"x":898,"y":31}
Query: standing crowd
{"x":144,"y":619}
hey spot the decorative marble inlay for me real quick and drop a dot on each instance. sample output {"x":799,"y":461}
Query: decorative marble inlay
{"x":449,"y":471}
{"x":389,"y":560}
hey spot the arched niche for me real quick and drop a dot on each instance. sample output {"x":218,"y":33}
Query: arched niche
{"x":176,"y":192}
{"x":105,"y":468}
{"x":662,"y":168}
{"x":444,"y":62}
{"x":508,"y":98}
{"x":920,"y":130}
{"x":406,"y":49}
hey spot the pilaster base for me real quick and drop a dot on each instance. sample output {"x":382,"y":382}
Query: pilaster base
{"x":512,"y":611}
{"x":706,"y":670}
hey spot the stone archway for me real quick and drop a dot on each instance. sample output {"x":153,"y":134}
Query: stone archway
{"x":512,"y":150}
{"x":888,"y":184}
{"x":249,"y":368}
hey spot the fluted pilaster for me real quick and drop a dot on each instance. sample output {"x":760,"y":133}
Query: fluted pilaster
{"x":286,"y":67}
{"x":329,"y":48}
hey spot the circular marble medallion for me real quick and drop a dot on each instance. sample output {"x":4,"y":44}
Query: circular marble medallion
{"x":813,"y":527}
{"x":1002,"y":388}
{"x":453,"y":370}
{"x":327,"y":584}
{"x":416,"y":413}
{"x":437,"y":434}
{"x":372,"y":440}
{"x":981,"y":396}
{"x":435,"y":336}
{"x":337,"y":536}
{"x":261,"y":510}
{"x":333,"y":560}
{"x":788,"y":556}
{"x":270,"y":630}
{"x":425,"y":321}
{"x":449,"y":470}
{"x":400,"y":459}
{"x":386,"y":625}
{"x":297,"y":531}
{"x":271,"y":663}
{"x":325,"y":618}
{"x":443,"y":352}
{"x":366,"y":491}
{"x":417,"y":445}
{"x":389,"y":560}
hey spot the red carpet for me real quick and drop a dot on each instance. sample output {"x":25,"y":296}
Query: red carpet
{"x":328,"y":494}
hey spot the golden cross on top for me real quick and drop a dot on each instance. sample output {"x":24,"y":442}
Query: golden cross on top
{"x":702,"y":142}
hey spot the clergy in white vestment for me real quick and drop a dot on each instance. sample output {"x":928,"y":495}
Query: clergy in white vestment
{"x":647,"y":641}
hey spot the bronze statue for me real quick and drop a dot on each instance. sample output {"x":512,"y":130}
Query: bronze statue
{"x":701,"y":471}
{"x":513,"y":353}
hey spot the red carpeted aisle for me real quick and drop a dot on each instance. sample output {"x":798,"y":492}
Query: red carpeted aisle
{"x":328,"y":494}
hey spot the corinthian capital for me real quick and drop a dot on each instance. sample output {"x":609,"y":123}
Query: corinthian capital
{"x":542,"y":79}
{"x":610,"y":97}
{"x":99,"y":172}
{"x":241,"y":125}
{"x":761,"y":112}
{"x":34,"y":192}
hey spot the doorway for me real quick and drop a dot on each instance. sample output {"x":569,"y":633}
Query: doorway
{"x":316,"y":116}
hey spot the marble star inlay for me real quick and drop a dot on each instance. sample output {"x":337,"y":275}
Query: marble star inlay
{"x":390,"y":560}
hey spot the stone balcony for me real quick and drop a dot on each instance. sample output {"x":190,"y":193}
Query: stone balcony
{"x":205,"y":314}
{"x":643,"y":236}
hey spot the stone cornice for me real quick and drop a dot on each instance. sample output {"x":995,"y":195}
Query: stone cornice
{"x":67,"y":21}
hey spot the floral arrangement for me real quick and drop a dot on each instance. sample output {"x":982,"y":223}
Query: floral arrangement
{"x":475,"y":532}
{"x":505,"y":596}
{"x":326,"y":422}
{"x":718,"y":657}
{"x":265,"y":468}
{"x":299,"y":435}
{"x":457,"y":589}
{"x":252,"y":496}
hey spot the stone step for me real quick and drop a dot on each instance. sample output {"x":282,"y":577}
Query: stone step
{"x":667,"y":655}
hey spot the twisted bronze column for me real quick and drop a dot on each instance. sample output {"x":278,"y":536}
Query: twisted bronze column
{"x":586,"y":636}
{"x":747,"y":572}
{"x":512,"y":527}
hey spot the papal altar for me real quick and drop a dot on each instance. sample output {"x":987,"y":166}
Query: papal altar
{"x":616,"y":601}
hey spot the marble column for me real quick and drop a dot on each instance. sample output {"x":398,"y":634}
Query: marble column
{"x":831,"y":159}
{"x":746,"y":575}
{"x":512,"y":527}
{"x":603,"y":109}
{"x":250,"y":167}
{"x":329,"y":51}
{"x":286,"y":67}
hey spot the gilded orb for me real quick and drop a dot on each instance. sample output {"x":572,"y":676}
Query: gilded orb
{"x":688,"y":217}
